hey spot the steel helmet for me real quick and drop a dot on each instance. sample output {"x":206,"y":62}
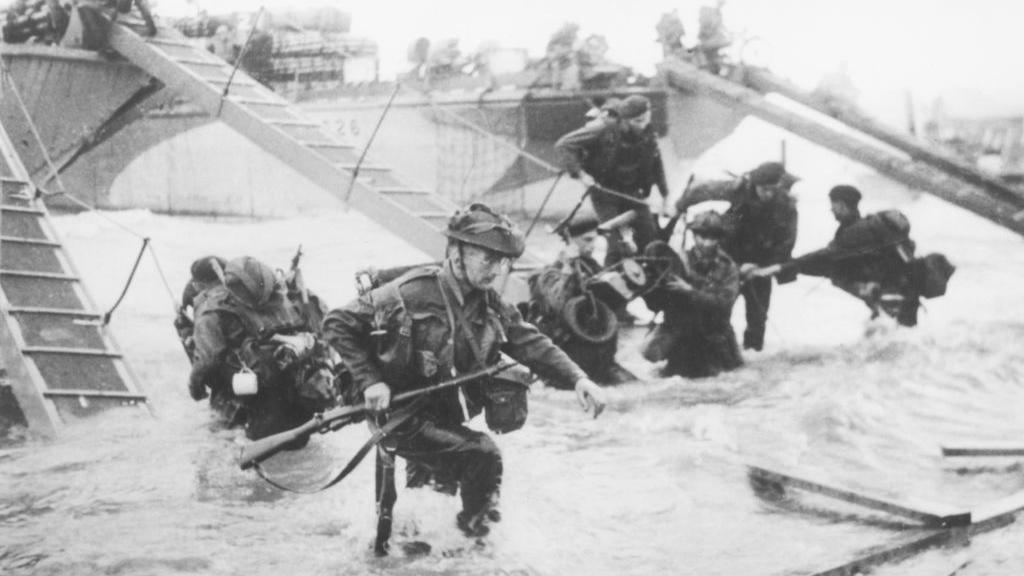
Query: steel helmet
{"x":708,"y":223}
{"x":250,"y":280}
{"x":478,"y":225}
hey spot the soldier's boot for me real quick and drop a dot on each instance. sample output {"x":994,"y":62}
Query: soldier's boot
{"x":473,"y":525}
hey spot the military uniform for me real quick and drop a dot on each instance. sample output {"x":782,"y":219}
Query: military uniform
{"x":758,"y":232}
{"x":228,"y":333}
{"x":550,"y":289}
{"x":868,"y":251}
{"x":622,"y":161}
{"x":696,"y":336}
{"x":421,"y":348}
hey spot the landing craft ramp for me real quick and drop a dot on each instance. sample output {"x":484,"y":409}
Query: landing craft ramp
{"x":415,"y":215}
{"x":1004,"y":206}
{"x":62,"y":362}
{"x":765,"y":82}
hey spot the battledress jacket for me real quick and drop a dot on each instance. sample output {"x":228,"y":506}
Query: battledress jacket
{"x":700,"y":319}
{"x":420,"y":348}
{"x":626,"y":163}
{"x":868,"y":248}
{"x":760,"y":232}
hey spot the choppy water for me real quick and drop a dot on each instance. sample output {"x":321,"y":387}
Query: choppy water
{"x":655,"y":486}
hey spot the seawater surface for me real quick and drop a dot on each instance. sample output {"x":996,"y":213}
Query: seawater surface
{"x":657,"y":485}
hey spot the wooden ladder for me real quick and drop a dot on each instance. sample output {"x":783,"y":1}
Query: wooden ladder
{"x":62,"y":363}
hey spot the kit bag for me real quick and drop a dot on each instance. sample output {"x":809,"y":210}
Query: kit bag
{"x":931,"y":275}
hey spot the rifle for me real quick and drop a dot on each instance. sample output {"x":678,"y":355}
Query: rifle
{"x":337,"y":418}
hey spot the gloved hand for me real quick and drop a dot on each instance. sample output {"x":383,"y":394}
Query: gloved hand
{"x":197,"y":390}
{"x":590,"y":396}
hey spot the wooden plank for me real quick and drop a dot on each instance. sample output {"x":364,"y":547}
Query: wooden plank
{"x":931,"y":514}
{"x":32,"y":241}
{"x":21,"y":209}
{"x":43,"y":275}
{"x":96,"y":394}
{"x":54,"y":311}
{"x":904,"y":548}
{"x":984,"y":450}
{"x":71,"y":351}
{"x":997,"y":514}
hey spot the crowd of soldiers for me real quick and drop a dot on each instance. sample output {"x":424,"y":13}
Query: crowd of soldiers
{"x":269,"y":354}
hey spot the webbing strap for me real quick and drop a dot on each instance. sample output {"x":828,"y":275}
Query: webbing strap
{"x":398,"y":418}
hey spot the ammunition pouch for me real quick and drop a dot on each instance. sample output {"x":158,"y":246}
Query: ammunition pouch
{"x":505,"y":401}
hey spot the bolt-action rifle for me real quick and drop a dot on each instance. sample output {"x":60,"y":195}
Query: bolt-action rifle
{"x":338,"y":418}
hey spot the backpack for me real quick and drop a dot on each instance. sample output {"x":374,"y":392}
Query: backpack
{"x":931,"y":274}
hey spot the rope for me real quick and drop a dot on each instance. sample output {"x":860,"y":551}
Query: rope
{"x":238,"y":62}
{"x":131,"y":276}
{"x":543,"y":204}
{"x":55,"y":176}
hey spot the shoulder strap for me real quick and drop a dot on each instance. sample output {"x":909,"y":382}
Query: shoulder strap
{"x":455,"y":315}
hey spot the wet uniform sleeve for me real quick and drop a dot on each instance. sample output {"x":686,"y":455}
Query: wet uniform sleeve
{"x":536,"y":351}
{"x":347,"y":330}
{"x":576,"y":146}
{"x":705,"y":191}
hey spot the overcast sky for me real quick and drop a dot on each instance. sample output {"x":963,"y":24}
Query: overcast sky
{"x":966,"y":50}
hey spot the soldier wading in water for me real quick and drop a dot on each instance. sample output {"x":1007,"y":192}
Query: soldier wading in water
{"x":438,"y":321}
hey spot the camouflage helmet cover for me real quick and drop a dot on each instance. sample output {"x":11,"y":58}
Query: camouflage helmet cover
{"x":480,"y":226}
{"x":250,"y":280}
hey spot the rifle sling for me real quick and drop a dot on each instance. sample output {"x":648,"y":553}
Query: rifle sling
{"x":398,"y":418}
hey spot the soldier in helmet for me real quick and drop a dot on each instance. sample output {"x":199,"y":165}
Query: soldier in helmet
{"x":696,"y":295}
{"x":437,"y":321}
{"x":761,"y":227}
{"x":257,"y":354}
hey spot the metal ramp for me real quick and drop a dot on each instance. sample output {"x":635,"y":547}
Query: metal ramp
{"x":764,"y":81}
{"x":416,"y":215}
{"x":61,"y":363}
{"x":1004,"y":208}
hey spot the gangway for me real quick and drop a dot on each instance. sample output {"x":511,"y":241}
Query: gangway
{"x":61,"y":361}
{"x":1004,"y":209}
{"x":765,"y":81}
{"x":413,"y":214}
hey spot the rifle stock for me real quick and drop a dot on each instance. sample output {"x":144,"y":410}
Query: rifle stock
{"x":264,"y":448}
{"x":336,"y":418}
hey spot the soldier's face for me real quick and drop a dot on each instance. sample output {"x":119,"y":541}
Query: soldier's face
{"x":585,"y":243}
{"x":705,"y":244}
{"x":483,"y":267}
{"x":766,"y":192}
{"x":842,"y":211}
{"x":637,"y":125}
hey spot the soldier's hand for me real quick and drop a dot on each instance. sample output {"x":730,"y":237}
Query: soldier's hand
{"x":377,"y":397}
{"x":679,"y":284}
{"x":766,"y":271}
{"x":197,"y":390}
{"x":590,"y":396}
